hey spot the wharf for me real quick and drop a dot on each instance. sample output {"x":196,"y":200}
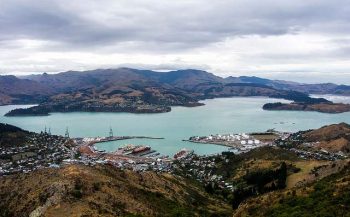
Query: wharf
{"x":115,"y":138}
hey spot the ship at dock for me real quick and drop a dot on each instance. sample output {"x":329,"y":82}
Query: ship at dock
{"x":137,"y":150}
{"x":183,"y":153}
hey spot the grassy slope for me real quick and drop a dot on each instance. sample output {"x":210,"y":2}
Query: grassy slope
{"x":103,"y":191}
{"x":329,"y":196}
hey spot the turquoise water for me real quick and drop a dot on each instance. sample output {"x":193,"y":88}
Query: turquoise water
{"x":224,"y":115}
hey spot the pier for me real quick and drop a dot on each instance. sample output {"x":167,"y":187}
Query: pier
{"x":115,"y":138}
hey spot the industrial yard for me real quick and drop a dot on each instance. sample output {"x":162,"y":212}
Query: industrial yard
{"x":241,"y":142}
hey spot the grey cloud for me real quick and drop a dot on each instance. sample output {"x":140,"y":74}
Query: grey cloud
{"x":185,"y":24}
{"x":153,"y":28}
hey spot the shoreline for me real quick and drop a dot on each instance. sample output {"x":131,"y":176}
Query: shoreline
{"x":132,"y":110}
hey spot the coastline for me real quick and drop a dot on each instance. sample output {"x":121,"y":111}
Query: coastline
{"x":46,"y":109}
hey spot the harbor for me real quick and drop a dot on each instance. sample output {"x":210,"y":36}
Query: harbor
{"x":129,"y":156}
{"x":177,"y":125}
{"x":45,"y":150}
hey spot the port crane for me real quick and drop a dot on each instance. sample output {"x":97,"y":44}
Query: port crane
{"x":110,"y":132}
{"x":67,"y":133}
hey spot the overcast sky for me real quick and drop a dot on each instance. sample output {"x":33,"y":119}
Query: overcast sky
{"x":302,"y":40}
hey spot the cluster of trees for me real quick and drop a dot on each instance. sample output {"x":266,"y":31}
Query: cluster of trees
{"x":260,"y":179}
{"x":253,"y":183}
{"x":259,"y":182}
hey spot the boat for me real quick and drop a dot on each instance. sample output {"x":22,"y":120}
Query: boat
{"x":141,"y":149}
{"x":183,"y":153}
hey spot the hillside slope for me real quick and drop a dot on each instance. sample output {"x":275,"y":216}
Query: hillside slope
{"x":334,"y":138}
{"x":14,"y":91}
{"x":103,"y":191}
{"x":329,"y":196}
{"x":328,"y":133}
{"x":325,"y":142}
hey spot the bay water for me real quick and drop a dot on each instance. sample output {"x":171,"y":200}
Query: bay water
{"x":217,"y":116}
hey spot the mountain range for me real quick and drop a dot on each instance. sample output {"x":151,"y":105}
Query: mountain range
{"x":142,"y":91}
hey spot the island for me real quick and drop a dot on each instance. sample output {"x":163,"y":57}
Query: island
{"x":329,"y":107}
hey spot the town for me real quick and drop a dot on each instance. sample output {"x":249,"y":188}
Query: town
{"x":308,"y":149}
{"x":38,"y":151}
{"x":45,"y":150}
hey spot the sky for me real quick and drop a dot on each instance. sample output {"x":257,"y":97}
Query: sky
{"x":299,"y":40}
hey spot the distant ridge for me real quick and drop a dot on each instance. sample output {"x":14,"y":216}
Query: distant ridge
{"x":143,"y":91}
{"x":69,"y":80}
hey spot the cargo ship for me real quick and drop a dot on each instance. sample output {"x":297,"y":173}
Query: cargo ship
{"x":140,"y":149}
{"x":183,"y":153}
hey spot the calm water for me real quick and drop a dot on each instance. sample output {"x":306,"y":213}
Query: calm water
{"x":226,"y":115}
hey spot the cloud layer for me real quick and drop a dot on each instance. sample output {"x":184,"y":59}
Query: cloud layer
{"x":279,"y":39}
